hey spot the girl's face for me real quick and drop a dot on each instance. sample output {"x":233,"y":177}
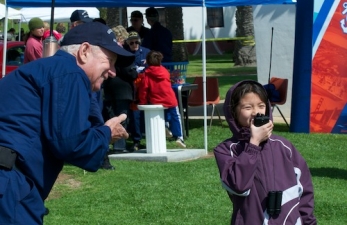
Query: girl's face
{"x":248,"y":107}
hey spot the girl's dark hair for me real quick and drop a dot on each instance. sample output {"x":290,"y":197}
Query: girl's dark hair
{"x":243,"y":89}
{"x":154,"y":58}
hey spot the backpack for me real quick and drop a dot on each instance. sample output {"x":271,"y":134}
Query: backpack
{"x":272,"y":93}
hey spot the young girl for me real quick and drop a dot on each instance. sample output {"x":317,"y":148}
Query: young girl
{"x":266,"y":178}
{"x":155,"y":88}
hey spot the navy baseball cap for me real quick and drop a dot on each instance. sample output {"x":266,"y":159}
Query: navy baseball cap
{"x":100,"y":35}
{"x":80,"y":15}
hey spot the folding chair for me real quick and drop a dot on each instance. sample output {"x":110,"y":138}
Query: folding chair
{"x":281,"y":85}
{"x":212,"y":95}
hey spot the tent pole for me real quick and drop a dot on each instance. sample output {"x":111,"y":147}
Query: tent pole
{"x":5,"y":42}
{"x":19,"y":29}
{"x":52,"y":19}
{"x":204,"y":73}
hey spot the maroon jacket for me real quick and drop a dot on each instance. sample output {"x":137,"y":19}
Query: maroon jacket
{"x":249,"y":172}
{"x":33,"y":49}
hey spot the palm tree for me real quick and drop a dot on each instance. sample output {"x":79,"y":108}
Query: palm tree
{"x":174,"y":22}
{"x":116,"y":16}
{"x":244,"y":52}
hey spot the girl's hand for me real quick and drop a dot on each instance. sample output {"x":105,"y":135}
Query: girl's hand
{"x":260,"y":134}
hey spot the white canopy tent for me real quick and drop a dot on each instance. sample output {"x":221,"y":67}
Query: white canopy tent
{"x":60,"y":14}
{"x":12,"y":13}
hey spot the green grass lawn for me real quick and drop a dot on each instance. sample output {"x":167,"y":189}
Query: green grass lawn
{"x":221,"y":66}
{"x":217,"y":65}
{"x":156,"y":193}
{"x":225,"y":82}
{"x":188,"y":192}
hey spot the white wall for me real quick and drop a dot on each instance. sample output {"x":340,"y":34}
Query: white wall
{"x":282,"y":19}
{"x":192,"y":17}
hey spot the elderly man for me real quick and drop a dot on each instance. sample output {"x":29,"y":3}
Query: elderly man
{"x":45,"y":120}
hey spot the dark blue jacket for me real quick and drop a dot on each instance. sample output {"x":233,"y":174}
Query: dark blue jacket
{"x":140,"y":55}
{"x":159,"y":38}
{"x":142,"y":33}
{"x":45,"y":107}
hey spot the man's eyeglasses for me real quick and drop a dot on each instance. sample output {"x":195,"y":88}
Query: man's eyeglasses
{"x":134,"y":42}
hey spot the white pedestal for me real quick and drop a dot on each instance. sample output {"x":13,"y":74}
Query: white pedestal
{"x":155,"y":128}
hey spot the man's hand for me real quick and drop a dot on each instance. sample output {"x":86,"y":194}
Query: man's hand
{"x":117,"y":130}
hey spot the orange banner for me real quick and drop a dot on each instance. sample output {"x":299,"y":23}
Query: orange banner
{"x":329,"y":74}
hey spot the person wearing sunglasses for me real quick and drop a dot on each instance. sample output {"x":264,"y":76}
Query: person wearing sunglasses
{"x":136,"y":117}
{"x":136,"y":20}
{"x":133,"y":44}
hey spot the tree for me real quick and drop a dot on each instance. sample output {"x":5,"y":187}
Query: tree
{"x":174,"y":22}
{"x":103,"y":12}
{"x":116,"y":16}
{"x":244,"y":52}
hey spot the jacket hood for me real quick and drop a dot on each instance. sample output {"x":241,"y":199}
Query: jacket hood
{"x":241,"y":133}
{"x":158,"y":73}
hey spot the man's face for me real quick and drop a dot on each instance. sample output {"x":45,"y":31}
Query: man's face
{"x":99,"y":66}
{"x":136,"y":22}
{"x":75,"y":24}
{"x":38,"y":32}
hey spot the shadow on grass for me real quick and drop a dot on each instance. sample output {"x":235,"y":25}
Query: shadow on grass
{"x":220,"y":61}
{"x":329,"y":172}
{"x":281,"y":127}
{"x":232,"y":71}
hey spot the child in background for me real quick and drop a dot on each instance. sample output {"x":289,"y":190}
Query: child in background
{"x":266,"y":178}
{"x":156,"y":88}
{"x":47,"y":32}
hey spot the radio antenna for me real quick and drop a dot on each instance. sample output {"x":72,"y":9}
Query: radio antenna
{"x":268,"y":90}
{"x":272,"y":35}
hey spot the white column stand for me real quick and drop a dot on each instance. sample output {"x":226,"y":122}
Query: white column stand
{"x":155,"y":128}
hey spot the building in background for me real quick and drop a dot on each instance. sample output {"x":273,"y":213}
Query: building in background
{"x":220,"y":27}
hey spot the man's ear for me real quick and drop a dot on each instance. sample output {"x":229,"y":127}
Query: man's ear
{"x":84,"y":52}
